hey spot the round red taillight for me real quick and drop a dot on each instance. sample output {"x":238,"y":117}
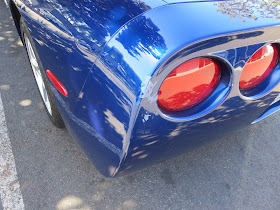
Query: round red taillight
{"x":189,"y":84}
{"x":259,"y":67}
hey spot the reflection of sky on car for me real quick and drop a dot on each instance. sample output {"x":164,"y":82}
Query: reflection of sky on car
{"x":91,"y":22}
{"x":155,"y":52}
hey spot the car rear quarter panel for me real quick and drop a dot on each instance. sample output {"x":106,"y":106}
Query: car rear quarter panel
{"x":69,"y":35}
{"x":115,"y":117}
{"x":119,"y":97}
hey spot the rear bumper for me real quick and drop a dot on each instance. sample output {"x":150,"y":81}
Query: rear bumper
{"x":274,"y":107}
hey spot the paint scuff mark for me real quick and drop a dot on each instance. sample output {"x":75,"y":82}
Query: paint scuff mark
{"x":146,"y":117}
{"x":147,"y":90}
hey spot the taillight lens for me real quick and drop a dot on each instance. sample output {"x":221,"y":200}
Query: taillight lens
{"x":189,"y":84}
{"x":259,"y":67}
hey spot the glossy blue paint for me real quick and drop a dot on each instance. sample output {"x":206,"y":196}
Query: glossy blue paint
{"x":112,"y":57}
{"x":129,"y":61}
{"x":69,"y":35}
{"x":274,"y":107}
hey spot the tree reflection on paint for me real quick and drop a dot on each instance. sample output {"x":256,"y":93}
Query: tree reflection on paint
{"x":247,"y":9}
{"x":146,"y":39}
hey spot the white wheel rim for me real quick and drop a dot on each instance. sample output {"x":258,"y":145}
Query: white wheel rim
{"x":37,"y":74}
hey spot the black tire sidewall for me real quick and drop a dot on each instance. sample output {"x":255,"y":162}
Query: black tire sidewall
{"x":55,"y":117}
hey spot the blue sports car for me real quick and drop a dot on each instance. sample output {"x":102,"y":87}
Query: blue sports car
{"x":138,"y":81}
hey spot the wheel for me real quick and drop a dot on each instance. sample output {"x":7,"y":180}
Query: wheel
{"x":40,"y":78}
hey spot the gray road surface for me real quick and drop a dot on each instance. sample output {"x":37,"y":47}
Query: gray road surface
{"x":241,"y":171}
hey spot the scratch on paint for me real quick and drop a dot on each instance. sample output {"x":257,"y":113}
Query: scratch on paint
{"x":146,"y":117}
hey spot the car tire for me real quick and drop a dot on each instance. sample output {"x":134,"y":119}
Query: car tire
{"x":40,"y":77}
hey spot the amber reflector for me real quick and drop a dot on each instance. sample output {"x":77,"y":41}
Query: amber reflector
{"x":189,"y":84}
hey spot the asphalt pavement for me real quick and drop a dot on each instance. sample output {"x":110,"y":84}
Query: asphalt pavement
{"x":241,"y":171}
